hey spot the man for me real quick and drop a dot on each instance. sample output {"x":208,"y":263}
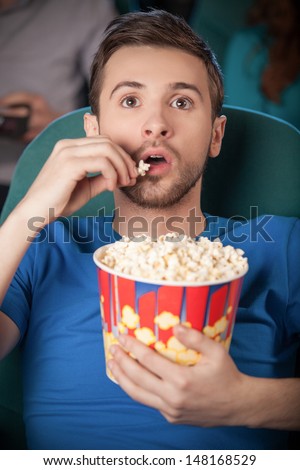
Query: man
{"x":156,"y":94}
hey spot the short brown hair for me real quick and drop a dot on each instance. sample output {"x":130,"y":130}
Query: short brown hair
{"x":155,"y":28}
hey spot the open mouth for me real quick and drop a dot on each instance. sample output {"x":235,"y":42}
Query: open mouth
{"x":155,"y":160}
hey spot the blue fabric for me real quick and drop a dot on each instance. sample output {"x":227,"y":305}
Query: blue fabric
{"x":69,"y":403}
{"x":245,"y":61}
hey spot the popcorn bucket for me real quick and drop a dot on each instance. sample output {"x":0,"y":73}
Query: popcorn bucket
{"x":148,"y":310}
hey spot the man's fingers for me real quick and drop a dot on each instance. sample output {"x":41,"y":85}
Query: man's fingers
{"x":149,"y":391}
{"x":152,"y":360}
{"x":152,"y":379}
{"x":98,"y":184}
{"x":65,"y":173}
{"x":94,"y":155}
{"x":97,"y":146}
{"x":193,"y":339}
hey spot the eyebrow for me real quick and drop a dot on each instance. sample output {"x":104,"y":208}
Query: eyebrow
{"x":185,"y":86}
{"x":127,"y":83}
{"x":172,"y":86}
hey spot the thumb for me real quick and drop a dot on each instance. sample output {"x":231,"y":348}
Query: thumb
{"x":193,"y":339}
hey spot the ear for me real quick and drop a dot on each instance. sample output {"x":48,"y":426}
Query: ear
{"x":91,"y":125}
{"x":217,"y":136}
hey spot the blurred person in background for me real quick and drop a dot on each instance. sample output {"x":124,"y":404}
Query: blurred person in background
{"x":262,"y":67}
{"x":46,"y":48}
{"x":182,"y":8}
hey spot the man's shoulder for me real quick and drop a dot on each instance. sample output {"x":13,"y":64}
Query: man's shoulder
{"x":87,"y":231}
{"x":261,"y":229}
{"x":268,"y":226}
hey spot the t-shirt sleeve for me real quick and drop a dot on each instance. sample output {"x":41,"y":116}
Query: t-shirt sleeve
{"x":293,"y":264}
{"x":17,"y":301}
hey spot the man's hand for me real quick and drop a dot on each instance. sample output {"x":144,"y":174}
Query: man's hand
{"x":63,"y":186}
{"x":63,"y":183}
{"x":206,"y":394}
{"x":211,"y":393}
{"x":41,"y":113}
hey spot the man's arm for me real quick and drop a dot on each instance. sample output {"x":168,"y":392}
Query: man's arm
{"x":9,"y":335}
{"x":14,"y":236}
{"x":211,"y":393}
{"x":64,"y":186}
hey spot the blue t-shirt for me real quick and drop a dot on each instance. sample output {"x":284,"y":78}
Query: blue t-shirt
{"x":69,"y":403}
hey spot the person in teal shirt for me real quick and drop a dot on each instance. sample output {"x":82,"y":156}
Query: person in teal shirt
{"x":262,"y":63}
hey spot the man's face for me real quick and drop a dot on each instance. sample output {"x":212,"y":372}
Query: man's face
{"x":155,"y":103}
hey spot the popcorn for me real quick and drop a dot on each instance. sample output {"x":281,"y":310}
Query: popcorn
{"x":145,"y":335}
{"x":219,"y":327}
{"x":166,"y":320}
{"x":129,"y":317}
{"x":109,"y":340}
{"x":143,"y":167}
{"x":175,"y":258}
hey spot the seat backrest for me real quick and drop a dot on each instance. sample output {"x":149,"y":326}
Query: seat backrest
{"x":12,"y":432}
{"x":259,"y":166}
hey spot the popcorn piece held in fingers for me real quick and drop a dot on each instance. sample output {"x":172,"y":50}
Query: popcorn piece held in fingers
{"x":143,"y":168}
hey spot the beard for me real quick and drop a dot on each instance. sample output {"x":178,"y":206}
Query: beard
{"x":152,"y":192}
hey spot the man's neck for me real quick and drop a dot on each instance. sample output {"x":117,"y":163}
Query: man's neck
{"x":132,"y":220}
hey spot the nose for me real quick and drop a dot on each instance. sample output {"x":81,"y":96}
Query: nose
{"x":156,"y":126}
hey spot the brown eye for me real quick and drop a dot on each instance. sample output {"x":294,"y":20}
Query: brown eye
{"x":130,"y":102}
{"x":181,"y":103}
